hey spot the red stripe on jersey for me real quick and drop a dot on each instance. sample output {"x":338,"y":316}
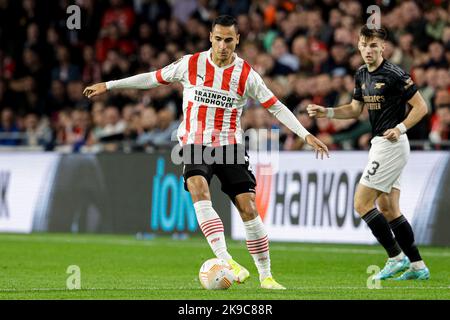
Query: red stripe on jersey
{"x":209,"y":76}
{"x":243,"y":78}
{"x":226,"y":78}
{"x":269,"y":102}
{"x":201,"y":124}
{"x":218,"y":123}
{"x":231,"y":136}
{"x":160,"y":78}
{"x":193,"y":68}
{"x":188,"y":121}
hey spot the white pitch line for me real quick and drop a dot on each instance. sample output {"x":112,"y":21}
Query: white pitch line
{"x":177,"y":243}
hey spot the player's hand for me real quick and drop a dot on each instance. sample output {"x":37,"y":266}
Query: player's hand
{"x":318,"y":146}
{"x":316,"y":111}
{"x":95,"y":90}
{"x":392,"y":134}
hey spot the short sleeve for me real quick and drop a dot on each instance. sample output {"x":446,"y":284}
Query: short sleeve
{"x":406,"y":86}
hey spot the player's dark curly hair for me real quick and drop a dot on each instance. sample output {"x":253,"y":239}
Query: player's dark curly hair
{"x":380,"y":33}
{"x":226,"y":21}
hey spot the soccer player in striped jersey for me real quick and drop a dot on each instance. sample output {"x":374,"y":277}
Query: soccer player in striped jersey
{"x":217,"y":84}
{"x":384,"y":89}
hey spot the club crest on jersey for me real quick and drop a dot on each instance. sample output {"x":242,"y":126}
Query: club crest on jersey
{"x":379,"y":85}
{"x":234,"y":82}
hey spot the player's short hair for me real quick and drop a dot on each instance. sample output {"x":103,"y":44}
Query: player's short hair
{"x":226,"y":21}
{"x":380,"y":33}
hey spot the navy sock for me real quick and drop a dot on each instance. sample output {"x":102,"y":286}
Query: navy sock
{"x":405,"y":238}
{"x":381,"y":230}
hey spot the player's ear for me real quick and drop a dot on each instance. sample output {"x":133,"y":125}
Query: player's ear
{"x":237,"y":38}
{"x":210,"y":37}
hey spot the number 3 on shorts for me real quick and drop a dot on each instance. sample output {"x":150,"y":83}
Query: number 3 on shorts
{"x":374,"y":168}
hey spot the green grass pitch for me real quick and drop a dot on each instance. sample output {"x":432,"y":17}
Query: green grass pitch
{"x":121,"y":267}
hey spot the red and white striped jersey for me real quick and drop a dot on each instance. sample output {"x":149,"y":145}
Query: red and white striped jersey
{"x":213,"y":97}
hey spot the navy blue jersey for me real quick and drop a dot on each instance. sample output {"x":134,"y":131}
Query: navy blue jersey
{"x":385,"y":92}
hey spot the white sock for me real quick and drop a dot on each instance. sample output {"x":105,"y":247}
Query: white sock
{"x":212,"y":227}
{"x":399,"y":257}
{"x":258,"y":246}
{"x":417,"y":265}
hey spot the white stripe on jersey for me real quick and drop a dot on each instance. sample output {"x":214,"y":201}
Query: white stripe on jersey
{"x":214,"y":97}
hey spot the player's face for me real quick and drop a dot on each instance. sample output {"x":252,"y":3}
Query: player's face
{"x":371,"y":49}
{"x":224,"y":40}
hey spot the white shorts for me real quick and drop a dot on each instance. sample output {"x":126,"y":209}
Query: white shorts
{"x":386,"y":162}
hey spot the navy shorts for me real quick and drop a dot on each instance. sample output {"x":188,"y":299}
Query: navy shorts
{"x":229,"y":163}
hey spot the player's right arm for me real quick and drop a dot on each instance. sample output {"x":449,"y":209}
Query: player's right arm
{"x":172,"y":73}
{"x":346,"y":111}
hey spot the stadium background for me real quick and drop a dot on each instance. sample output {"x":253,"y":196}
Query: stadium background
{"x":305,"y":50}
{"x":71,"y":165}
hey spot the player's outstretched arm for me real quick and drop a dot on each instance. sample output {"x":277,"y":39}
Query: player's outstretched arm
{"x":346,"y":111}
{"x":286,"y":117}
{"x":95,"y":90}
{"x":418,"y":111}
{"x":140,"y":81}
{"x":172,"y":73}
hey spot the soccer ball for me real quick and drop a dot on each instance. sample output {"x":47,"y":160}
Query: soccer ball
{"x":216,"y":274}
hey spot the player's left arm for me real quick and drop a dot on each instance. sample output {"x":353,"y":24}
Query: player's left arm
{"x":258,"y":90}
{"x":418,"y":111}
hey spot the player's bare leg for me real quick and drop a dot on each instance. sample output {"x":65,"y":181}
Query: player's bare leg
{"x":257,"y":239}
{"x":208,"y":219}
{"x":365,"y":198}
{"x":389,"y":205}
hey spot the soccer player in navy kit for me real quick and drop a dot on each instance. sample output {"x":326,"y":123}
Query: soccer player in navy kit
{"x":384,"y":89}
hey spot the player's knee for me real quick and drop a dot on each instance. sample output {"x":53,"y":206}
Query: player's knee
{"x":198,"y":189}
{"x":247,"y":210}
{"x":384,"y":208}
{"x":389,"y":213}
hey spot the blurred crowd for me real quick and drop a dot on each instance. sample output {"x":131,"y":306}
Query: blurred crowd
{"x":305,"y":50}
